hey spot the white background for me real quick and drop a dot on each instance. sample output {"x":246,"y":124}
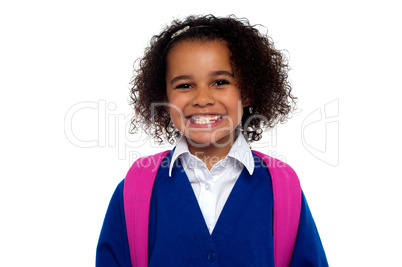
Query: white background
{"x":56,"y":56}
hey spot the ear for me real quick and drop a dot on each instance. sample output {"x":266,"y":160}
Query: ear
{"x":245,"y":102}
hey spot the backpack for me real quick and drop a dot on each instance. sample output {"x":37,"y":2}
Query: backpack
{"x":137,"y":192}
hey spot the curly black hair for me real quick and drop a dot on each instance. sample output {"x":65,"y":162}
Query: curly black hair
{"x":261,"y":71}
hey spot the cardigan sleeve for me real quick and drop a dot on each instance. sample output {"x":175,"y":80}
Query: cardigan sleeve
{"x":308,"y":249}
{"x":113,"y":249}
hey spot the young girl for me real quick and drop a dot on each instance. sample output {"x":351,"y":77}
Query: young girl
{"x":211,"y":85}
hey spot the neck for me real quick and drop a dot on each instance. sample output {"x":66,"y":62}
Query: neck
{"x":211,"y":154}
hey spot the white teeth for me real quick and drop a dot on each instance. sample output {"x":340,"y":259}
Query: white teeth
{"x":198,"y":119}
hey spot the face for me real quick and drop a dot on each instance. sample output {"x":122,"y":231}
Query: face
{"x":204,"y":100}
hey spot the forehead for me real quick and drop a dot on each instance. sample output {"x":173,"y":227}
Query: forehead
{"x":208,"y":54}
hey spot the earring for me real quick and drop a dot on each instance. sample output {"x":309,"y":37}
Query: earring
{"x":250,"y":110}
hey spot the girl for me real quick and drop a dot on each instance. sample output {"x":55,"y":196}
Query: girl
{"x":211,"y":85}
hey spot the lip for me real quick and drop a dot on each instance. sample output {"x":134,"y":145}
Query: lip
{"x":204,"y":114}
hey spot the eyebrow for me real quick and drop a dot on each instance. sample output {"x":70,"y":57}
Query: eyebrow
{"x":212,"y":74}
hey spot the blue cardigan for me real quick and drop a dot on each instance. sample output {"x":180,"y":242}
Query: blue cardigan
{"x":178,"y":235}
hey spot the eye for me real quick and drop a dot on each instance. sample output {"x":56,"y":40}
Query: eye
{"x":183,"y":86}
{"x":221,"y":82}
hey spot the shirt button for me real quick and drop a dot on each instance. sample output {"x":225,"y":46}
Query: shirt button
{"x":211,"y":256}
{"x":207,"y":186}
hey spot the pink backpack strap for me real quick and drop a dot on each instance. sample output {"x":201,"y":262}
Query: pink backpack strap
{"x":287,"y":205}
{"x":137,"y":193}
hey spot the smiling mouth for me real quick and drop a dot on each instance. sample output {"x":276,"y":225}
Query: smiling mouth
{"x":205,"y":119}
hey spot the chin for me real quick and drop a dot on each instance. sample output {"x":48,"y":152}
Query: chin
{"x":207,"y":140}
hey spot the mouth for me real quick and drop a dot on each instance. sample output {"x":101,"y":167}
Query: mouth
{"x":203,"y":119}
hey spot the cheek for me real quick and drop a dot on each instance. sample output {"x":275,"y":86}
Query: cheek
{"x":236,"y":106}
{"x":237,"y":113}
{"x":177,"y":119}
{"x":175,"y":113}
{"x":174,"y":107}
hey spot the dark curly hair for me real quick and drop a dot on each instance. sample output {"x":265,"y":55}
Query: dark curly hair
{"x":261,"y":71}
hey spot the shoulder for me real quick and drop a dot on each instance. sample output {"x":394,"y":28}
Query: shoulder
{"x":140,"y":178}
{"x":284,"y":179}
{"x":147,"y":164}
{"x":274,"y":163}
{"x":147,"y":161}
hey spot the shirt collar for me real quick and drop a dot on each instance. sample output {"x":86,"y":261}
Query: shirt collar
{"x":181,"y":149}
{"x":239,"y":151}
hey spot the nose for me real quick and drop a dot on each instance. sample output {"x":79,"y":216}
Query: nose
{"x":203,"y":97}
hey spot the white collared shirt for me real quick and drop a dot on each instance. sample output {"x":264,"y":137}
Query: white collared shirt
{"x":212,"y":187}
